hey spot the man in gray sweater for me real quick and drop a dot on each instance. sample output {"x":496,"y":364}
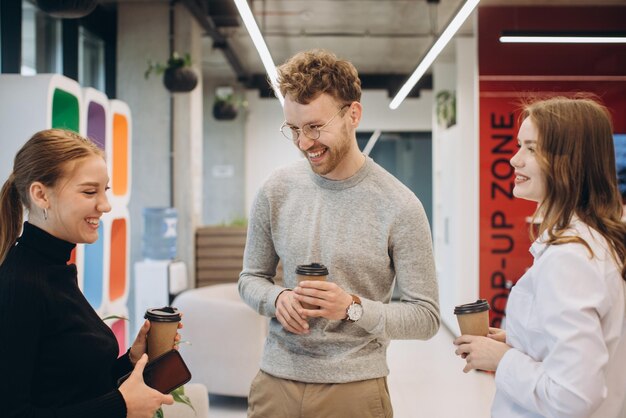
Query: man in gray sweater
{"x":341,"y":209}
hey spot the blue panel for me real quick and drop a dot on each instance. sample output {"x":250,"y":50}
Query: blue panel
{"x":94,"y":267}
{"x":620,"y":157}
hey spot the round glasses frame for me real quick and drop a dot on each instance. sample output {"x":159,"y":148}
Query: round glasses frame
{"x":311,"y":131}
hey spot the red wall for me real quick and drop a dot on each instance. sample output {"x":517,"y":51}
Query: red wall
{"x":507,"y":74}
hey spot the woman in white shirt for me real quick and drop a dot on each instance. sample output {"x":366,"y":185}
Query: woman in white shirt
{"x":564,"y":350}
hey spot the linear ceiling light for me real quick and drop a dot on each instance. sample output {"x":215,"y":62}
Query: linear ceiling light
{"x":259,"y":43}
{"x":441,"y":42}
{"x":564,"y":37}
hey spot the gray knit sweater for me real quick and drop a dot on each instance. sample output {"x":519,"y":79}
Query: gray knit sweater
{"x":368,"y":230}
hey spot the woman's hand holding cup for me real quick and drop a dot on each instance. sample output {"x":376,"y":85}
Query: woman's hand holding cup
{"x":163,"y":330}
{"x":140,"y":345}
{"x":497,"y":334}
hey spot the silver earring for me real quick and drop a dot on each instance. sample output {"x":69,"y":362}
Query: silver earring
{"x":45,"y":214}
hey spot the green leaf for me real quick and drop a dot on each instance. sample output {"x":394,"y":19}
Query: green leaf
{"x":176,"y":61}
{"x":158,"y":413}
{"x":179,"y":396}
{"x":182,"y":342}
{"x":155,"y":67}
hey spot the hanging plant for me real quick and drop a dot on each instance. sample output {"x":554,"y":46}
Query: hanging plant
{"x":446,"y":108}
{"x":67,"y":9}
{"x":178,"y":76}
{"x":224,"y":109}
{"x":226,"y":105}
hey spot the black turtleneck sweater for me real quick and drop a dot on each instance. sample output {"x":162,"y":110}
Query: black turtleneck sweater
{"x":57,"y":358}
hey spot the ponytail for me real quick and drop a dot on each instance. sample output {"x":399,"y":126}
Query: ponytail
{"x":11,"y":213}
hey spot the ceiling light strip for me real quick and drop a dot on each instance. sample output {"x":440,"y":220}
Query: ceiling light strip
{"x":371,"y":142}
{"x":434,"y":51}
{"x":260,"y":45}
{"x":556,"y":39}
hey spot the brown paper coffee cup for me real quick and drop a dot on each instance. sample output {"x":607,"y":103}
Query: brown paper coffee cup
{"x":163,"y":328}
{"x":473,"y":318}
{"x":313,"y":271}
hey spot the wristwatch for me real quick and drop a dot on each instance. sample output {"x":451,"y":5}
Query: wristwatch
{"x":355,"y":310}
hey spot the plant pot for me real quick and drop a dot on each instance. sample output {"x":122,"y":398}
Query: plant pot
{"x":224,"y":110}
{"x":67,"y":9}
{"x":180,"y":79}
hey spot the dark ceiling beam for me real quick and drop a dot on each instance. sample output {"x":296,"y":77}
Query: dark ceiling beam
{"x":393,"y":82}
{"x":198,"y":10}
{"x":223,"y":13}
{"x":389,"y":82}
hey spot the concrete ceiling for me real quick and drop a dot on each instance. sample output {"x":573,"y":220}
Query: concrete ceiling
{"x":385,"y":39}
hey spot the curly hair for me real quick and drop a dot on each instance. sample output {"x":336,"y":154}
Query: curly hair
{"x":308,"y":74}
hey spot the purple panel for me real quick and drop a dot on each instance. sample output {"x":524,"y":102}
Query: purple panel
{"x":96,"y":124}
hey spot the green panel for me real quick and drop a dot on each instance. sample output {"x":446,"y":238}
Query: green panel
{"x":65,"y":112}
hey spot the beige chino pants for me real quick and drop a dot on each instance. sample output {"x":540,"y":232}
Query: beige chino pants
{"x":272,"y":397}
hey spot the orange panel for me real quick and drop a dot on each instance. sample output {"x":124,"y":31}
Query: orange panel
{"x":72,"y":257}
{"x":120,"y":155}
{"x":118,"y":280}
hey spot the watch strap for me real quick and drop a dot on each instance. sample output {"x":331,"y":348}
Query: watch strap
{"x":355,"y":301}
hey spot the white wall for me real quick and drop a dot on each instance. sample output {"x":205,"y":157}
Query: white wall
{"x":143,"y":35}
{"x":224,"y":166}
{"x":188,"y":141}
{"x":455,"y":184}
{"x":267,"y":149}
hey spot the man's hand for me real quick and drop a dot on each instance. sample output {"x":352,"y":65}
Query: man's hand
{"x":332,"y":299}
{"x":289,"y":313}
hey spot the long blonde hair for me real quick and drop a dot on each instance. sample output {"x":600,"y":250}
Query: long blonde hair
{"x":42,"y":158}
{"x":576,"y":153}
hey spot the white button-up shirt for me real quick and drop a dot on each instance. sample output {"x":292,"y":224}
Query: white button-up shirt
{"x":566,"y":322}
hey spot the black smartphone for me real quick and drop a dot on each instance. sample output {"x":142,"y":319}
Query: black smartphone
{"x":165,"y":373}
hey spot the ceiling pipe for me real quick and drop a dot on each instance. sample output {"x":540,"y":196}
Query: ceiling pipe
{"x":198,"y":11}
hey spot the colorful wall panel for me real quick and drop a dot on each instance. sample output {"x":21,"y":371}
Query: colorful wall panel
{"x":31,"y":103}
{"x":119,"y":256}
{"x":120,"y":152}
{"x":96,"y":117}
{"x":94,"y":269}
{"x":120,"y":329}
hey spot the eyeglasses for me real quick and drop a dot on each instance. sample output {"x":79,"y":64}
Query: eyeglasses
{"x":311,"y":131}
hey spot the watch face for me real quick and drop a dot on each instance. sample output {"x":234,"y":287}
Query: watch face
{"x":355,"y":311}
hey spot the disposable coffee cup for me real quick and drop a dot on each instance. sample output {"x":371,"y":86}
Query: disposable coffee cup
{"x":313,"y":271}
{"x":163,"y":327}
{"x":473,"y":317}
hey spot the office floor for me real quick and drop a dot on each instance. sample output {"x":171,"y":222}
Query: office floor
{"x":426,"y":380}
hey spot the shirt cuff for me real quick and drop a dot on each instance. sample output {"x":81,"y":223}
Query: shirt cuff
{"x":505,"y":373}
{"x":272,"y":298}
{"x":371,"y":319}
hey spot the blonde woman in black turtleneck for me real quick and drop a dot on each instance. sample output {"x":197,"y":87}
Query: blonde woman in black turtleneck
{"x":58,"y":358}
